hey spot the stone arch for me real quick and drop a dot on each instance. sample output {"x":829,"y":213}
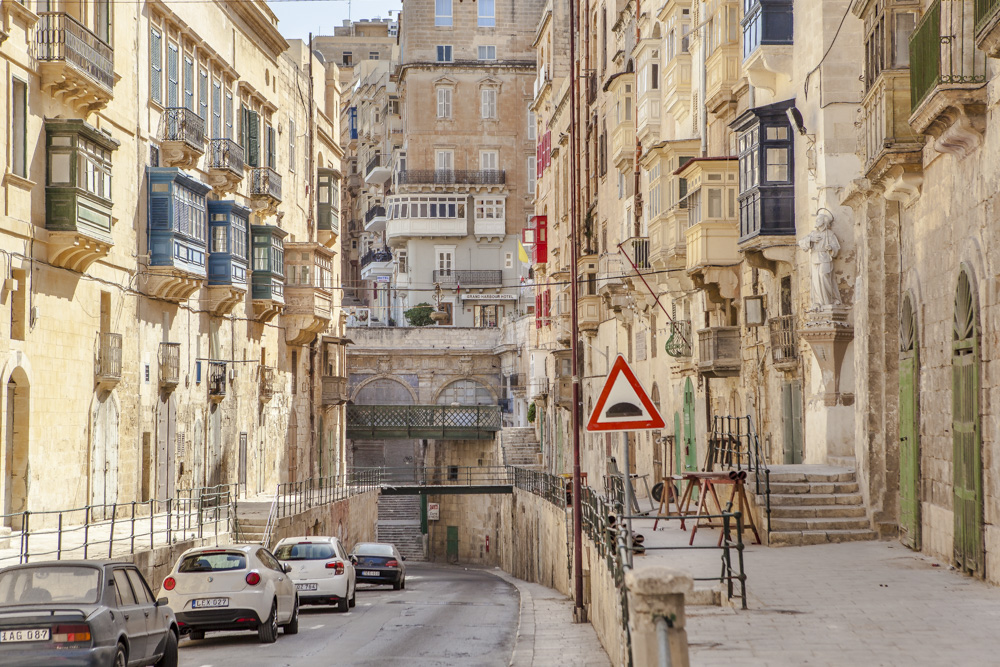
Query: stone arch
{"x":15,"y":460}
{"x":466,"y":384}
{"x":368,"y":391}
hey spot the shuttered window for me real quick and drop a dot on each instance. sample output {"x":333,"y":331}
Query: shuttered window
{"x":203,"y":94}
{"x":251,"y":137}
{"x":444,"y":103}
{"x":188,"y":83}
{"x":173,"y":85}
{"x":229,"y":114}
{"x":217,"y":109}
{"x":155,"y":65}
{"x":272,"y":155}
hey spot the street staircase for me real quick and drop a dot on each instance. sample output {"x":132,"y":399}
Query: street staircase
{"x":520,"y":448}
{"x":399,"y":524}
{"x":251,"y":520}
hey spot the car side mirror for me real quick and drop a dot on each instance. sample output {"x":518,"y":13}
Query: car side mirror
{"x":286,"y":568}
{"x":162,"y":602}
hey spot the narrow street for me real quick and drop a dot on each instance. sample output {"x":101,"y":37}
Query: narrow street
{"x":445,"y":616}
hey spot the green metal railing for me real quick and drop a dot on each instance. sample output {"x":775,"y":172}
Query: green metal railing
{"x":943,"y":50}
{"x":466,"y":422}
{"x":986,"y":11}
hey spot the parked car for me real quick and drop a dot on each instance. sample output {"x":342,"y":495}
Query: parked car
{"x":83,"y":613}
{"x":236,"y":587}
{"x":379,"y":564}
{"x":321,"y":569}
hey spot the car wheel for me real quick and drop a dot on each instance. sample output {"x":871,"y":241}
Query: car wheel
{"x":121,"y":658}
{"x":169,"y":657}
{"x":396,"y":585}
{"x":197,"y":634}
{"x":403,"y":585}
{"x":343,"y":605}
{"x":267,"y":631}
{"x":292,"y":627}
{"x":354,"y":597}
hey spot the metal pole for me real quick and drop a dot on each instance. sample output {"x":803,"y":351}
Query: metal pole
{"x":626,"y":475}
{"x":663,"y":640}
{"x":579,"y":612}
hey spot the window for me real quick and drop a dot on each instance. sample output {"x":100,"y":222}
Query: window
{"x":532,"y":126}
{"x":444,"y":53}
{"x":488,"y":52}
{"x":489,"y":160}
{"x":347,"y":59}
{"x":103,"y":20}
{"x":490,"y":209}
{"x":250,"y":137}
{"x":155,"y":65}
{"x":271,"y":137}
{"x":442,"y":13}
{"x":188,"y":83}
{"x":239,"y":237}
{"x":173,"y":85}
{"x":19,"y":127}
{"x":532,"y":175}
{"x":291,"y":145}
{"x":123,"y":590}
{"x":508,"y":260}
{"x":487,"y":14}
{"x":216,"y":109}
{"x":489,"y":102}
{"x":228,"y":114}
{"x":203,"y":94}
{"x":766,"y":171}
{"x":654,"y":77}
{"x":220,"y":239}
{"x":445,"y":160}
{"x":444,"y":103}
{"x":465,"y":392}
{"x":93,"y":169}
{"x":373,"y":55}
{"x":487,"y":316}
{"x":444,"y":262}
{"x":401,"y":261}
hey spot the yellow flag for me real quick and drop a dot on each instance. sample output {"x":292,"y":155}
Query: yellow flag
{"x":522,"y":253}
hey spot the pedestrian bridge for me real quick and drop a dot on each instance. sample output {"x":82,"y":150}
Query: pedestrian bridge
{"x":437,"y":422}
{"x":455,"y":480}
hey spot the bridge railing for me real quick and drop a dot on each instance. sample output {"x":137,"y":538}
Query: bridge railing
{"x":414,"y":419}
{"x":550,"y":487}
{"x":440,"y":475}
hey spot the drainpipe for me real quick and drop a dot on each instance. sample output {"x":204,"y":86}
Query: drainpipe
{"x":310,"y":173}
{"x":703,"y":80}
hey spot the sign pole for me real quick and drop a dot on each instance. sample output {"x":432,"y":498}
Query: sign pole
{"x":628,"y":499}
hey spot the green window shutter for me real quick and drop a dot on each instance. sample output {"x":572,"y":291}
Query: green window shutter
{"x":253,"y":138}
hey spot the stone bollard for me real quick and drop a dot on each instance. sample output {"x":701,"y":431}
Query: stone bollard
{"x":657,"y":593}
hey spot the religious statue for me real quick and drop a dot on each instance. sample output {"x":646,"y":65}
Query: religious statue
{"x":822,"y":245}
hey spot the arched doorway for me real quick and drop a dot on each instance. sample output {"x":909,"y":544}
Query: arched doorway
{"x":104,"y":455}
{"x":15,"y":459}
{"x":966,"y":436}
{"x":909,"y":427}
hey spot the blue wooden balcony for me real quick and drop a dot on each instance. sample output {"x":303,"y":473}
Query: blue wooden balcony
{"x":439,"y":422}
{"x":178,"y":232}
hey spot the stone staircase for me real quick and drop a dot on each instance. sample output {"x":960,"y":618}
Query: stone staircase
{"x":814,"y":504}
{"x":520,"y":447}
{"x":399,"y":524}
{"x":251,"y":516}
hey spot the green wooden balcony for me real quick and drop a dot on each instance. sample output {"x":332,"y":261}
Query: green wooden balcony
{"x":440,"y":422}
{"x":943,"y":52}
{"x":988,"y":26}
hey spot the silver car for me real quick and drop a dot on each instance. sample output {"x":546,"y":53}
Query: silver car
{"x":83,"y":613}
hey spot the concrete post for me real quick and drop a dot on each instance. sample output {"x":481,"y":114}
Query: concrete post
{"x":657,"y":593}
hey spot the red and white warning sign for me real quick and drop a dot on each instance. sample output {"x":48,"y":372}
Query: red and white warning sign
{"x":623,"y":404}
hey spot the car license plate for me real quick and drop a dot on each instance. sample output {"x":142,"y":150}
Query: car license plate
{"x":370,"y":573}
{"x":25,"y":635}
{"x":305,"y":587}
{"x":209,"y":602}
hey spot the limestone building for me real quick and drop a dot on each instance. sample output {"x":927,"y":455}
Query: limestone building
{"x":170,"y":237}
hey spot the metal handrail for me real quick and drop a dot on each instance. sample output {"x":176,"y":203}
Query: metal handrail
{"x":60,"y":37}
{"x":943,"y":51}
{"x":184,"y":125}
{"x":265,"y":182}
{"x":272,"y":516}
{"x":377,"y":211}
{"x":296,"y":497}
{"x":383,"y":255}
{"x":467,"y":277}
{"x":226,"y":154}
{"x":734,"y":445}
{"x":452,"y":177}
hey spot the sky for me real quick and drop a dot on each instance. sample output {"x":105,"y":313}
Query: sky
{"x":297,"y":18}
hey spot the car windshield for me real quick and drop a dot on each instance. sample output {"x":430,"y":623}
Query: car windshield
{"x":304,"y":551}
{"x":213,"y":562}
{"x":373,"y":550}
{"x":48,"y":584}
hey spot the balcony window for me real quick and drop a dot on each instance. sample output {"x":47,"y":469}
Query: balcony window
{"x":766,"y":22}
{"x":888,"y":29}
{"x":487,"y":14}
{"x":766,"y":200}
{"x":490,"y":209}
{"x":268,"y":261}
{"x":306,"y":269}
{"x":227,"y":262}
{"x":178,"y":220}
{"x":75,"y":160}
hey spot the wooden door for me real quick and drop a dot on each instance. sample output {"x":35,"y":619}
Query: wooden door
{"x":791,"y":412}
{"x":452,"y":543}
{"x":690,"y":439}
{"x":909,"y":429}
{"x":967,"y":461}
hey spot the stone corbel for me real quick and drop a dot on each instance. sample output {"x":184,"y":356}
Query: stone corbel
{"x":721,"y":283}
{"x":768,"y":66}
{"x":829,"y":333}
{"x":768,"y":258}
{"x":902,"y":184}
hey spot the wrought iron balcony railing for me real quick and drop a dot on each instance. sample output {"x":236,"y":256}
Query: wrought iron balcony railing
{"x":60,"y":37}
{"x":374,"y":163}
{"x":184,"y":125}
{"x":468,"y":278}
{"x":266,"y":383}
{"x":226,"y":154}
{"x":452,"y":177}
{"x":943,"y":51}
{"x":169,"y":359}
{"x":986,"y":11}
{"x":384,"y":255}
{"x":638,"y":250}
{"x":109,"y":357}
{"x":265,"y":182}
{"x":784,"y":346}
{"x":217,"y":379}
{"x":377,"y":211}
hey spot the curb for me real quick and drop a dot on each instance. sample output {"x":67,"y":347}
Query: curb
{"x":524,"y":641}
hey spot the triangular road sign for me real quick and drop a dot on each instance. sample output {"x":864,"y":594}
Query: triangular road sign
{"x":623,"y":405}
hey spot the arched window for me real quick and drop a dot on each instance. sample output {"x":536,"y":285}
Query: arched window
{"x":465,"y":392}
{"x":384,"y":391}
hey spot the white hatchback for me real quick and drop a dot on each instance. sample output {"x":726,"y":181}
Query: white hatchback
{"x":237,"y":587}
{"x":321,"y":569}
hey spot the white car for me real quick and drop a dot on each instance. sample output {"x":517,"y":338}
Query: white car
{"x":237,"y":587}
{"x":321,"y":569}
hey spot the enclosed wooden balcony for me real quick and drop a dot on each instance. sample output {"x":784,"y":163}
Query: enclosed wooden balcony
{"x":948,"y":76}
{"x":719,"y":352}
{"x":109,"y":360}
{"x":225,"y":165}
{"x":182,"y":138}
{"x":784,"y":342}
{"x":76,"y":65}
{"x":335,"y":390}
{"x":440,"y":422}
{"x":308,"y":291}
{"x":988,"y":27}
{"x":621,"y":118}
{"x":767,"y":42}
{"x":169,"y":363}
{"x":722,"y":66}
{"x":713,"y":227}
{"x":562,"y":387}
{"x":893,"y":152}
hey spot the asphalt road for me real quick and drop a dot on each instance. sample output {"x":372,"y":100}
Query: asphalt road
{"x":445,"y":616}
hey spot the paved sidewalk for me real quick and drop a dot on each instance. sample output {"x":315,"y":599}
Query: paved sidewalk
{"x":546,"y":634}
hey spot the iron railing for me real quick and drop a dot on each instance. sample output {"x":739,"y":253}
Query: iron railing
{"x":265,"y":182}
{"x":784,"y":344}
{"x":111,"y":530}
{"x":60,"y":37}
{"x":217,"y":378}
{"x":734,"y":445}
{"x":377,"y":211}
{"x":452,"y":177}
{"x":266,"y":383}
{"x":183,"y":125}
{"x":383,"y":255}
{"x":550,"y":487}
{"x":415,"y":419}
{"x":986,"y":11}
{"x":296,"y":497}
{"x":375,"y":162}
{"x":679,"y":342}
{"x":169,"y":359}
{"x":109,"y":357}
{"x":943,"y":50}
{"x":468,"y":278}
{"x":226,"y":154}
{"x":638,"y":249}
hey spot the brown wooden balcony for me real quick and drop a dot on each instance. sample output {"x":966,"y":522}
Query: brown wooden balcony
{"x":266,"y":384}
{"x":169,"y":362}
{"x":784,"y":342}
{"x":76,"y":65}
{"x":225,"y":165}
{"x":335,"y":390}
{"x":182,"y":137}
{"x":265,"y":190}
{"x":719,"y":352}
{"x":216,"y":377}
{"x":109,"y":360}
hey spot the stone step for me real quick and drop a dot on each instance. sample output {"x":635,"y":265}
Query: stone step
{"x":843,"y":462}
{"x":824,"y":475}
{"x":792,"y":499}
{"x":819,"y":523}
{"x":817,"y":511}
{"x":807,"y":537}
{"x":813,"y":487}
